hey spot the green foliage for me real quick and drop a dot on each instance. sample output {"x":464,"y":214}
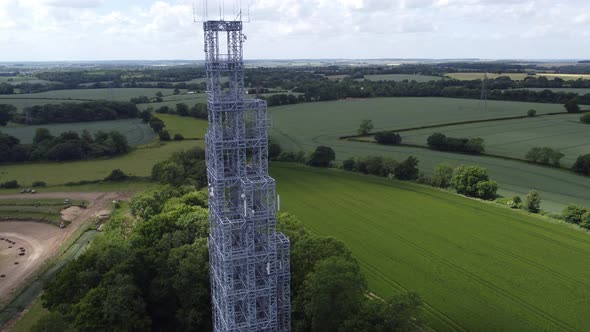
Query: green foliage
{"x":398,"y":313}
{"x":532,"y":202}
{"x":186,"y":167}
{"x":388,"y":137}
{"x":571,"y":106}
{"x":321,"y":157}
{"x":473,"y":181}
{"x":443,"y":174}
{"x":182,"y":109}
{"x":585,"y":220}
{"x":39,"y":184}
{"x":407,"y":169}
{"x":441,"y":142}
{"x":7,"y":111}
{"x":585,"y":118}
{"x":178,"y":137}
{"x":141,"y":276}
{"x":96,"y":110}
{"x":573,"y":214}
{"x":330,"y":295}
{"x":67,"y":146}
{"x":53,"y":322}
{"x":116,"y":175}
{"x":582,"y":165}
{"x":348,"y":164}
{"x":274,"y":150}
{"x":164,"y":135}
{"x":544,"y":155}
{"x":487,"y":189}
{"x":11,"y":184}
{"x":365,"y":127}
{"x":531,"y":113}
{"x":157,"y":124}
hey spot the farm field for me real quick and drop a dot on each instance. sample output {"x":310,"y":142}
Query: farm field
{"x":305,"y":126}
{"x":118,"y":94}
{"x":391,"y":77}
{"x":477,"y":266}
{"x":172,"y":100}
{"x":402,"y":77}
{"x":137,"y":132}
{"x":24,"y":79}
{"x":138,"y":162}
{"x":21,"y":103}
{"x":514,"y":138}
{"x":514,"y":76}
{"x":184,"y":125}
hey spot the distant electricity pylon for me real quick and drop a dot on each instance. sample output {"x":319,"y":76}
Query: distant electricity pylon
{"x":484,"y":92}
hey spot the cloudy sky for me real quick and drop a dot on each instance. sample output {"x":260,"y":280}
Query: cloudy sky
{"x":39,"y":30}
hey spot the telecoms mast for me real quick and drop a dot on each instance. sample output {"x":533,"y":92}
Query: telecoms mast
{"x":249,"y":259}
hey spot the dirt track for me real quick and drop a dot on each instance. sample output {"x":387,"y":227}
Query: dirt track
{"x":41,"y":241}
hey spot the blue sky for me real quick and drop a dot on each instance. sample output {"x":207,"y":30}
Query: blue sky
{"x":37,"y":30}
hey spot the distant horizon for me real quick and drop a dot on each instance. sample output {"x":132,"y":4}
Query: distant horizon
{"x":472,"y":59}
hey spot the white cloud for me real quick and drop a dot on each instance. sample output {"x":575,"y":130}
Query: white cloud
{"x":158,"y":29}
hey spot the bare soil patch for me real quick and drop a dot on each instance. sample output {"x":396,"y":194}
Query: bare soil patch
{"x":71,"y":213}
{"x":40,"y":241}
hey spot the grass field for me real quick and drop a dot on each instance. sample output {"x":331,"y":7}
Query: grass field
{"x":305,"y":126}
{"x":514,"y":138}
{"x":514,"y":76}
{"x":139,"y":162}
{"x":30,"y":318}
{"x":135,"y":130}
{"x":186,"y":126}
{"x":478,"y":266}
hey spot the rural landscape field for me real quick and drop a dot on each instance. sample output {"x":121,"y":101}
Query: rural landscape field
{"x":271,"y":184}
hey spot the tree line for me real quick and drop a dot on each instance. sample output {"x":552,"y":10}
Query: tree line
{"x":66,"y":146}
{"x":98,"y":110}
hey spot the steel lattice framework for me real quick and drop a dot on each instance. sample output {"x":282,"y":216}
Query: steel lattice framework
{"x":249,"y":259}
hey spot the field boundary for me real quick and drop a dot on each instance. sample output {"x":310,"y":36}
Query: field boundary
{"x":506,"y":118}
{"x":417,"y":146}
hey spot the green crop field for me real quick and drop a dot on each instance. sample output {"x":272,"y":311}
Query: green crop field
{"x":478,"y":266}
{"x":305,"y":126}
{"x":186,"y":126}
{"x":514,"y":138}
{"x":139,"y":162}
{"x":135,"y":130}
{"x":515,"y":76}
